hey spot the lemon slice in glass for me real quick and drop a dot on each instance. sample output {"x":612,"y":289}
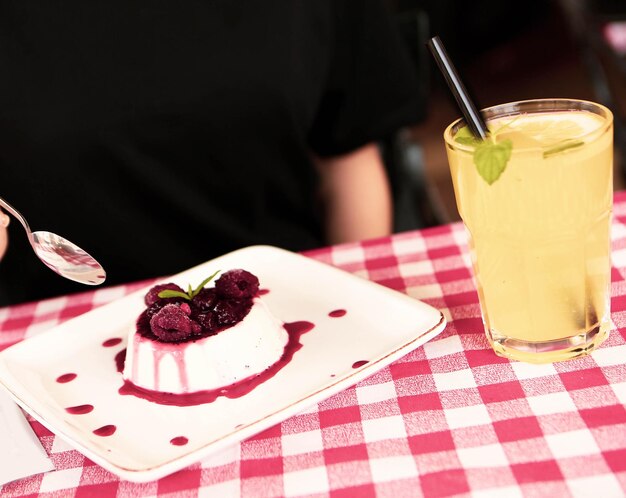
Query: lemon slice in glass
{"x":545,"y":130}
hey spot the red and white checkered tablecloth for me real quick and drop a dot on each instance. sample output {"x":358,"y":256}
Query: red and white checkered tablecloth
{"x":448,"y":419}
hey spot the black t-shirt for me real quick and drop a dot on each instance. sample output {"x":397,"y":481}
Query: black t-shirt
{"x":158,"y":134}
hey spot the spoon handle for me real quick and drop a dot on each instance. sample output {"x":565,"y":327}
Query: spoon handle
{"x":18,"y":216}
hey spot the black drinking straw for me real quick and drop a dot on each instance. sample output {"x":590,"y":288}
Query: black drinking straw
{"x":470,"y":112}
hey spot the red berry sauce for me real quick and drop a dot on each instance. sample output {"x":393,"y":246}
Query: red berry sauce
{"x":105,"y":430}
{"x":120,"y":358}
{"x":79,"y":409}
{"x":179,"y":441}
{"x":236,"y":390}
{"x":68,"y":377}
{"x":337,"y":313}
{"x":114,"y":341}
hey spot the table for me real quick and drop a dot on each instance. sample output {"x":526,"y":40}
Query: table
{"x":448,"y":419}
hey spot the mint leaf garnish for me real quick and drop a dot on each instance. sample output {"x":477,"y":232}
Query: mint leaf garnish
{"x":465,"y":137}
{"x":173,"y":293}
{"x":194,"y":293}
{"x":491,"y":158}
{"x":191,"y":293}
{"x":562,"y":146}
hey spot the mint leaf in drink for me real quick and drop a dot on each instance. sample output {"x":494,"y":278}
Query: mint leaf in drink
{"x":491,"y":159}
{"x":465,"y":137}
{"x":562,"y":146}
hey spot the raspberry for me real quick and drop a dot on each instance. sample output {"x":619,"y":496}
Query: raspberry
{"x":172,"y":324}
{"x":226,"y":313}
{"x":177,"y":319}
{"x":143,"y":323}
{"x":207,"y":320}
{"x":231,"y":311}
{"x":154,"y":308}
{"x":205,"y":299}
{"x":237,"y":284}
{"x":152,"y":295}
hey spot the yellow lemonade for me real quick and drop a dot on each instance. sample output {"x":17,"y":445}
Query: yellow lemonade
{"x":540,"y":232}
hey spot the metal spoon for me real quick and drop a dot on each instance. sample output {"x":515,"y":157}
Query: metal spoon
{"x":61,"y":255}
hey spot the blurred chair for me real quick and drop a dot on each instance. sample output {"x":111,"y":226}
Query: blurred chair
{"x":597,"y":26}
{"x":414,"y":203}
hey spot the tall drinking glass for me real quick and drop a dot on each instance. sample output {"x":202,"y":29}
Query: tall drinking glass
{"x":536,"y":199}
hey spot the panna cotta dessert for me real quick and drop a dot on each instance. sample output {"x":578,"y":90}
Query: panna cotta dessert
{"x":203,"y":339}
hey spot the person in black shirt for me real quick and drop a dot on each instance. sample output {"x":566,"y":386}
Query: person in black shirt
{"x":157,"y":134}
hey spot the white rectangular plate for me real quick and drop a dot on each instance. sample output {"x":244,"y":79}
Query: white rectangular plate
{"x":380,"y":325}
